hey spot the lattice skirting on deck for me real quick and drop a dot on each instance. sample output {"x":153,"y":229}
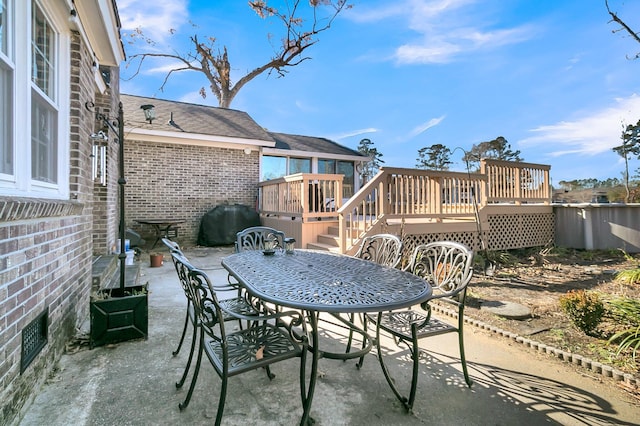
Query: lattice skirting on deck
{"x":505,"y":232}
{"x":511,"y":231}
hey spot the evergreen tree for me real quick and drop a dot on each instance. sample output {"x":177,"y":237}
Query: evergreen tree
{"x":435,"y":157}
{"x":370,"y":168}
{"x":498,"y":149}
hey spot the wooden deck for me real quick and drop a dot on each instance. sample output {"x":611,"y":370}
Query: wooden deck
{"x":506,"y":205}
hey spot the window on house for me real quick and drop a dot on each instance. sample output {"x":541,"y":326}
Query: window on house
{"x":273,"y":167}
{"x":299,"y":165}
{"x":34,"y":93}
{"x":3,"y":27}
{"x":326,"y":166}
{"x":44,"y":116}
{"x":6,"y":94}
{"x":346,"y":169}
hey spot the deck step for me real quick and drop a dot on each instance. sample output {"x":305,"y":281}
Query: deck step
{"x":335,"y":231}
{"x":327,"y":239}
{"x":324,"y":247}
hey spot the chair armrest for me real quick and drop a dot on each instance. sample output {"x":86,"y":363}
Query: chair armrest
{"x":265,"y":315}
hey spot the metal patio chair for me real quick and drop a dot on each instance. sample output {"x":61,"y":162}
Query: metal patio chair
{"x":236,"y":304}
{"x":383,"y":249}
{"x":448,"y":267}
{"x":269,"y":340}
{"x":253,"y":238}
{"x":175,"y":248}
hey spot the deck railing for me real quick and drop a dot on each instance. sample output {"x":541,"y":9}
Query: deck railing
{"x":410,"y":194}
{"x":398,"y":193}
{"x":516,"y":182}
{"x":302,"y":195}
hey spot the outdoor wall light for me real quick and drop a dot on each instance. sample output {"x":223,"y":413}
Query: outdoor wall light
{"x":149,"y":112}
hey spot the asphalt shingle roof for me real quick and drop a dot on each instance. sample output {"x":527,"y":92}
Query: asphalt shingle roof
{"x":174,"y":116}
{"x":311,"y":144}
{"x":181,"y":117}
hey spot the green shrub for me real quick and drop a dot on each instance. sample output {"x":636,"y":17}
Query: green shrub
{"x":584,"y":309}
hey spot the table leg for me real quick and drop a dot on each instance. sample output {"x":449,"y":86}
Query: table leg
{"x":158,"y":232}
{"x":307,"y":395}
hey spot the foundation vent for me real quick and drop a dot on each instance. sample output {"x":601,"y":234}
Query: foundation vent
{"x":34,"y":338}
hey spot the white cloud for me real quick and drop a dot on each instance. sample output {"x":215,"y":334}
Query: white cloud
{"x":425,"y":126}
{"x":167,"y":65}
{"x":445,"y":29}
{"x":437,"y":52}
{"x":303,"y":106}
{"x":196,"y":98}
{"x":155,"y":18}
{"x":590,"y":135}
{"x":352,"y":133}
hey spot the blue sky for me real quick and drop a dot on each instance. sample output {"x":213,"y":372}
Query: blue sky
{"x":549,"y":76}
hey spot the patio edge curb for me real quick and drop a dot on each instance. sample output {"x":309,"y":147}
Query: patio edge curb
{"x":569,"y":357}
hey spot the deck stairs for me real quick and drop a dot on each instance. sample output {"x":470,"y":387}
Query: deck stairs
{"x":328,"y":241}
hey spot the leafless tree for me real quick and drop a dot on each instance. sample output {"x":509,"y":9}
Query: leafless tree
{"x":212,"y":61}
{"x":623,"y":27}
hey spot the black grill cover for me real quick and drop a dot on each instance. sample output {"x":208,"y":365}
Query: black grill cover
{"x":219,"y":226}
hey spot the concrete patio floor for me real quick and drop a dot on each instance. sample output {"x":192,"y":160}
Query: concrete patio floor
{"x":132,"y":383}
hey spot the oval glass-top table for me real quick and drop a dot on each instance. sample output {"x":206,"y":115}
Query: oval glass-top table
{"x":321,"y":281}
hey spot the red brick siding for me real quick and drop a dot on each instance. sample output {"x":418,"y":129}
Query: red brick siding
{"x":184,"y":182}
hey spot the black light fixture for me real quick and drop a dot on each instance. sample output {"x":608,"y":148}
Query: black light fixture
{"x":149,"y":112}
{"x":117,"y":126}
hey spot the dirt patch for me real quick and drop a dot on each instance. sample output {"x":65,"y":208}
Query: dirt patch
{"x":537,"y":280}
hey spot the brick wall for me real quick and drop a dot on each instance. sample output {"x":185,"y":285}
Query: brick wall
{"x":184,"y":182}
{"x":46,"y":256}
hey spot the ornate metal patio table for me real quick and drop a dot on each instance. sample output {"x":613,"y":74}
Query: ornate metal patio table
{"x":320,"y":281}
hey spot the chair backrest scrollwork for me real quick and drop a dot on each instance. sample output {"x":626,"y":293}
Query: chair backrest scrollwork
{"x":254,"y":238}
{"x":446,"y":265}
{"x":384,"y":249}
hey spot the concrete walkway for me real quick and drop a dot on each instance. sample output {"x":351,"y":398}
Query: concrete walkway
{"x":132,"y":383}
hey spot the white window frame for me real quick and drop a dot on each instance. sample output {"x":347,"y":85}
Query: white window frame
{"x":7,"y":72}
{"x":20,"y":182}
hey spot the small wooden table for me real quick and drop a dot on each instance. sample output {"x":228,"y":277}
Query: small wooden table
{"x":161,"y":227}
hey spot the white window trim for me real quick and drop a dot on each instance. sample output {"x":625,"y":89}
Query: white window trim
{"x":21,"y":184}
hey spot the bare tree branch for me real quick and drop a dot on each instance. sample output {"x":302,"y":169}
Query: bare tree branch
{"x":625,"y":27}
{"x":215,"y":66}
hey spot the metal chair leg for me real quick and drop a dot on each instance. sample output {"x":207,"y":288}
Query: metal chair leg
{"x":461,"y":344}
{"x":222,"y":399}
{"x":184,"y":331}
{"x":415,"y":355}
{"x":185,"y":403}
{"x":385,"y":370}
{"x":186,"y":368}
